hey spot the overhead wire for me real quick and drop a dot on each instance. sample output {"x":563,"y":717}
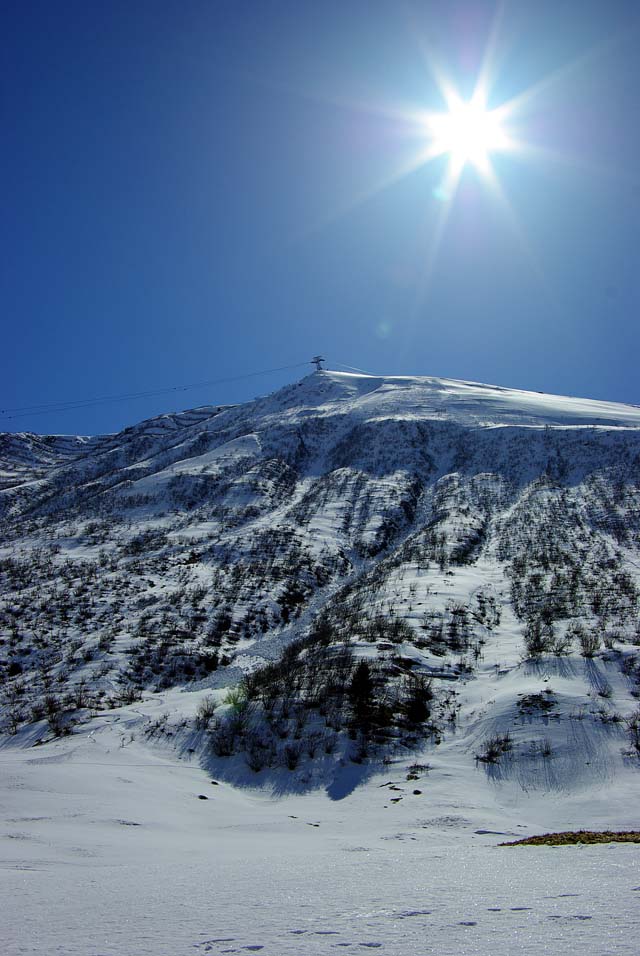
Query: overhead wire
{"x":47,"y":408}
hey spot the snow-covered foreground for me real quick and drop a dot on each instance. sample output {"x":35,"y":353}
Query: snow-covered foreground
{"x":106,"y":847}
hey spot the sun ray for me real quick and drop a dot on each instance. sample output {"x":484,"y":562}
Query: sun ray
{"x":448,"y":189}
{"x":425,"y":155}
{"x":483,"y":84}
{"x":433,"y":242}
{"x":528,"y":152}
{"x":519,"y":234}
{"x":518,"y":103}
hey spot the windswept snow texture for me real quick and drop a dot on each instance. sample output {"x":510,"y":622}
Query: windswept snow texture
{"x":432,"y":591}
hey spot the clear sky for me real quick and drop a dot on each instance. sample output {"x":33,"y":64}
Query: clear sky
{"x":198,"y":189}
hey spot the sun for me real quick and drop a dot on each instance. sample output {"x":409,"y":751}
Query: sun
{"x":468,"y":132}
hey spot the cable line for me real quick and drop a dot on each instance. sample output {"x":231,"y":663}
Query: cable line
{"x":47,"y":408}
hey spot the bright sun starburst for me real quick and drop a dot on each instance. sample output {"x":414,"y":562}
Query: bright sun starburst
{"x":468,"y":132}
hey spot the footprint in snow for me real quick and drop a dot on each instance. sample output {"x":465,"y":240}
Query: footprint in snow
{"x":208,"y":943}
{"x":573,"y":916}
{"x":494,"y":833}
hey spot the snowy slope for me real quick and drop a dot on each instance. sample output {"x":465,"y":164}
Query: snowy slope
{"x":232,"y":528}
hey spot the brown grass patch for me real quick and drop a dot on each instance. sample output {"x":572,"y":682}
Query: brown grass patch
{"x":579,"y":836}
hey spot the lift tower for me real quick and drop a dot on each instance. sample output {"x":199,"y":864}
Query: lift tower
{"x":317,"y":360}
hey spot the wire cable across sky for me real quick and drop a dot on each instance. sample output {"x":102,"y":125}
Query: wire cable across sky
{"x":45,"y":408}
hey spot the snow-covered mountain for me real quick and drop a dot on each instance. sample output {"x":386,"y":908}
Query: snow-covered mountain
{"x":406,"y":607}
{"x":449,"y":568}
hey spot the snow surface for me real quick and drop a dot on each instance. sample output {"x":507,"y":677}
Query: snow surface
{"x":108,"y":850}
{"x":469,"y":403}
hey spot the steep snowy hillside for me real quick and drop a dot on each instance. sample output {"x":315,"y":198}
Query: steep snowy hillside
{"x":416,"y":569}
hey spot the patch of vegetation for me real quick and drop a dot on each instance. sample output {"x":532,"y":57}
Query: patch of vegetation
{"x":633,"y":729}
{"x":572,"y":837}
{"x":495,"y":747}
{"x":321,"y":697}
{"x":535,"y":704}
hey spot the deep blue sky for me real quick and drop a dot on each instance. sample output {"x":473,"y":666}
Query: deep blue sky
{"x":178,"y":186}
